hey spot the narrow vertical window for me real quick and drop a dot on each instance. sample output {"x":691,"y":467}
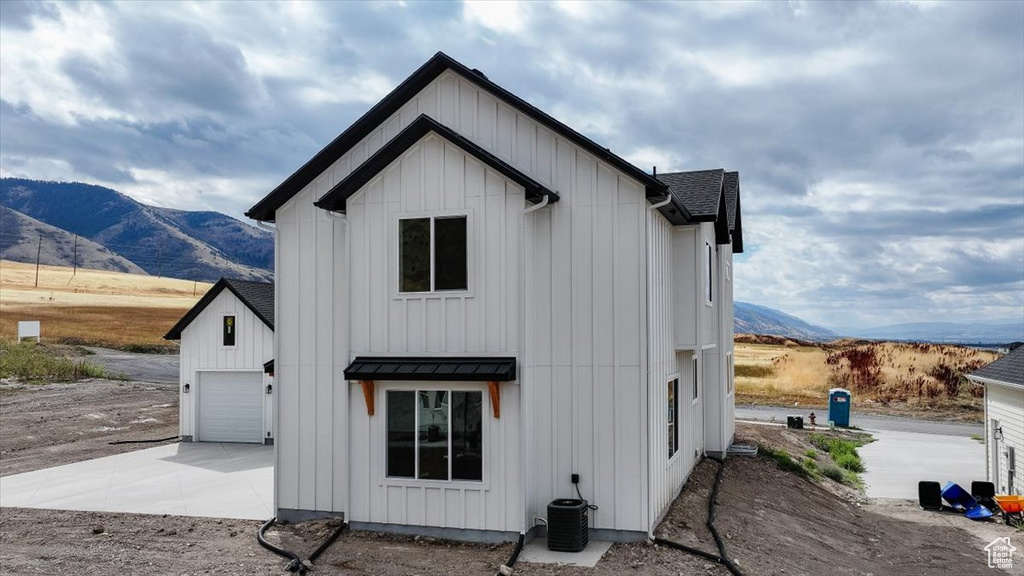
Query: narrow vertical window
{"x":432,"y":436}
{"x":696,"y":378}
{"x":414,"y":254}
{"x":731,"y":375}
{"x":673,"y":416}
{"x":401,"y":424}
{"x":708,"y":275}
{"x":450,"y":254}
{"x":229,"y":331}
{"x":467,"y":436}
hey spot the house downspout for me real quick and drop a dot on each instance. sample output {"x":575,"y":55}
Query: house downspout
{"x":274,"y":407}
{"x":266,"y":226}
{"x":343,"y":218}
{"x":536,"y":207}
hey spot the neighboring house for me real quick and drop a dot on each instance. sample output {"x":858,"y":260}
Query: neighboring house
{"x":476,"y":303}
{"x":227,"y":351}
{"x":1003,"y":380}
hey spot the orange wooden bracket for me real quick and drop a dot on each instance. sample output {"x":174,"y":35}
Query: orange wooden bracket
{"x":495,"y":389}
{"x":368,"y":395}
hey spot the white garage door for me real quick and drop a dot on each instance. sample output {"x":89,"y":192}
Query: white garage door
{"x":231,"y":407}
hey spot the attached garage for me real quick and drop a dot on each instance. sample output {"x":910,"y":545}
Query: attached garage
{"x":226,"y":378}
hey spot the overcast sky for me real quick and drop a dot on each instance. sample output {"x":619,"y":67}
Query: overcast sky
{"x":880,"y":146}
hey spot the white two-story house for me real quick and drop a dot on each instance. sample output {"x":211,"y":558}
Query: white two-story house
{"x":475,"y":303}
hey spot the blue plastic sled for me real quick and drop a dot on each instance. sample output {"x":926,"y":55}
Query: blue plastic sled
{"x":962,"y":500}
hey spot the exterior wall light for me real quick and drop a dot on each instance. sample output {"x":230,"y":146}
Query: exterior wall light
{"x":270,"y":388}
{"x":998,"y":434}
{"x":185,"y":388}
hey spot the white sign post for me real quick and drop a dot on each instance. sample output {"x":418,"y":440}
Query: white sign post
{"x":28,"y":329}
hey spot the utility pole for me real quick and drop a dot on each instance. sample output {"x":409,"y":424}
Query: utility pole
{"x":193,"y":281}
{"x":39,"y":250}
{"x":159,"y":249}
{"x":74,"y":259}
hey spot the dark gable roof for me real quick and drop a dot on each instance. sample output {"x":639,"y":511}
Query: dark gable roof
{"x":257,"y":296}
{"x":1009,"y":369}
{"x":266,"y":208}
{"x":698,"y":191}
{"x":732,"y":202}
{"x":474,"y":369}
{"x":335,"y":198}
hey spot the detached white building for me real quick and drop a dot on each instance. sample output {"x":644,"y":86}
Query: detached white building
{"x":1003,"y":380}
{"x":227,"y":351}
{"x":475,"y":302}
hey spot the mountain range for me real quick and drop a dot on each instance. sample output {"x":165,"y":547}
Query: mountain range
{"x":119,"y":233}
{"x":754,"y":319}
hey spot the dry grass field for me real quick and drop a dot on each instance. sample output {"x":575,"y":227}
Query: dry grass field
{"x":904,"y":376}
{"x":94,"y":307}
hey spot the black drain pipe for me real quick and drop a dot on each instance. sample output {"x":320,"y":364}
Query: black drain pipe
{"x":721,"y":557}
{"x":297,"y":564}
{"x":116,"y":442}
{"x":515,"y":554}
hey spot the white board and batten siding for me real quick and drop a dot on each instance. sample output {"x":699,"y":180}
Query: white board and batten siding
{"x":579,"y":331}
{"x":202,"y":352}
{"x":668,"y":268}
{"x":1005,"y":404}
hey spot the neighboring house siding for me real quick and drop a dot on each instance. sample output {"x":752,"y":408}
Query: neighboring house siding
{"x":201,"y":349}
{"x":665,"y":264}
{"x":1006,"y":404}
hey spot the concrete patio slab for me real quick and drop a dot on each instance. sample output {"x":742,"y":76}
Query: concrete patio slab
{"x":202,"y":479}
{"x":896,"y":461}
{"x":536,"y":552}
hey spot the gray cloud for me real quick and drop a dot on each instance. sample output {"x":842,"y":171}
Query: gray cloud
{"x":880,"y":145}
{"x":20,"y":14}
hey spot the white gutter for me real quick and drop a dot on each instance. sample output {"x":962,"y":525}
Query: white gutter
{"x":668,"y":198}
{"x":339,"y":216}
{"x":983,"y":381}
{"x":536,"y":207}
{"x":266,"y":226}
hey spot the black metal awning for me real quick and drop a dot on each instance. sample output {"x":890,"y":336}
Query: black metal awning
{"x":474,"y":369}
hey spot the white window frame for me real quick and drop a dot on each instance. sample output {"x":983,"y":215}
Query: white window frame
{"x":396,"y":281}
{"x":220,"y":337}
{"x":709,"y":276}
{"x":730,"y":382}
{"x":485,"y":419}
{"x":695,"y":391}
{"x":678,"y":380}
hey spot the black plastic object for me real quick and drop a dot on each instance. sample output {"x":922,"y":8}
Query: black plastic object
{"x":929,"y":494}
{"x":795,"y":422}
{"x":568,"y":525}
{"x":984,"y":493}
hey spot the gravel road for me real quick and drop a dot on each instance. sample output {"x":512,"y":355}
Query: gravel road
{"x":153,"y":368}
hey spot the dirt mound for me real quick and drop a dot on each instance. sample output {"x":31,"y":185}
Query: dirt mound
{"x":776,"y":522}
{"x":771,"y":340}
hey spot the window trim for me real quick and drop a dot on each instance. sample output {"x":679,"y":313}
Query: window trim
{"x":730,"y":382}
{"x":697,"y":367}
{"x":223,"y":317}
{"x":709,"y":277}
{"x":485,"y":418}
{"x":674,"y":378}
{"x":396,"y":247}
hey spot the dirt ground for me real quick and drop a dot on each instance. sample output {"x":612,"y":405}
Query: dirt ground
{"x":773,"y":522}
{"x":52,"y":424}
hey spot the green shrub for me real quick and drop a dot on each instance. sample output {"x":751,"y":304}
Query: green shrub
{"x":810,"y":453}
{"x":833,"y":472}
{"x":36,"y":363}
{"x":850,"y":461}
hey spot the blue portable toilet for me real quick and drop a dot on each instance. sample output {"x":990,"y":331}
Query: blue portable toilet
{"x":839,"y":407}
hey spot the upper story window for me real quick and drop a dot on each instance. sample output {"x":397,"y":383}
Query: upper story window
{"x":709,"y":275}
{"x":229,"y":331}
{"x":673,"y":415}
{"x":432,"y":254}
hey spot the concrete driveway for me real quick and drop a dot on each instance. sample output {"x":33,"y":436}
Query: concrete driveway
{"x":201,"y":479}
{"x":897,"y":461}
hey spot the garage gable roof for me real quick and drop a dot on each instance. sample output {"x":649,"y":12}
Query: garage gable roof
{"x":468,"y":369}
{"x":1007,"y":370}
{"x":732,"y":202}
{"x":257,"y":296}
{"x":266,"y":208}
{"x":698,"y":190}
{"x":336,"y":197}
